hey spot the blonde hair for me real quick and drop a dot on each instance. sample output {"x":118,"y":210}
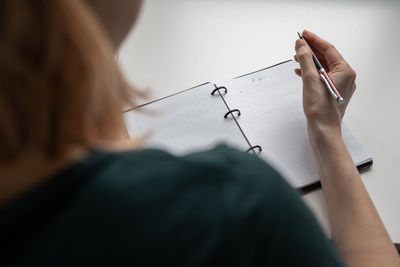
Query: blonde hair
{"x":59,"y":82}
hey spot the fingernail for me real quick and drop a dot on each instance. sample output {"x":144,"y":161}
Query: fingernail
{"x":299,"y":43}
{"x":307,"y":32}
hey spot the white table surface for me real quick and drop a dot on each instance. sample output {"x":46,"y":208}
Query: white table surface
{"x":178,"y":44}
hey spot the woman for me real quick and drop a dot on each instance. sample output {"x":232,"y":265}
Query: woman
{"x":75,"y":191}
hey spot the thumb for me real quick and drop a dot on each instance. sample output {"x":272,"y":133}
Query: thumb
{"x":304,"y":56}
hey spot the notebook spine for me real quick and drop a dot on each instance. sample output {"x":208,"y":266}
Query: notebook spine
{"x":218,"y":89}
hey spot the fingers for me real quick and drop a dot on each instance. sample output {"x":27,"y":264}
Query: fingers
{"x":325,"y":49}
{"x":304,"y":57}
{"x":320,"y":58}
{"x":297,"y":71}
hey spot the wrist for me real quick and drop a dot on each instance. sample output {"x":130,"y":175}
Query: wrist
{"x":320,"y":134}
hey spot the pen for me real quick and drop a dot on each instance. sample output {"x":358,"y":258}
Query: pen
{"x":325,"y":77}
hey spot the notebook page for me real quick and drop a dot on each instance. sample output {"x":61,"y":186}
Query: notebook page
{"x":185,"y":122}
{"x":272,"y":116}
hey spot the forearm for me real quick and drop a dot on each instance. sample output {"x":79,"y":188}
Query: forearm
{"x":357,"y":231}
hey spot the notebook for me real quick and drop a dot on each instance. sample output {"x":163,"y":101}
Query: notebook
{"x":260,"y":113}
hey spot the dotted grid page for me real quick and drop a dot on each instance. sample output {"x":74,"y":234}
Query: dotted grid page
{"x":189,"y":121}
{"x":272,"y":116}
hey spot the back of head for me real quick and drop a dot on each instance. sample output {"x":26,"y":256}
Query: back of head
{"x":59,"y":84}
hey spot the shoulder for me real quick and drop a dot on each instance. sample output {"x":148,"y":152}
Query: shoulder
{"x":235,"y":183}
{"x":219,"y":165}
{"x":152,"y":207}
{"x":225,"y":179}
{"x":163,"y":202}
{"x":153,"y":203}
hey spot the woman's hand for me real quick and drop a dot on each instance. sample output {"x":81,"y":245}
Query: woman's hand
{"x":357,"y":231}
{"x":323,"y":113}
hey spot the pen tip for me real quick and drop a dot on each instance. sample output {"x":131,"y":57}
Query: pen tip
{"x":301,"y":37}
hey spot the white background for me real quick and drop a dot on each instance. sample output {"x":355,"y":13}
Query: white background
{"x":178,"y":44}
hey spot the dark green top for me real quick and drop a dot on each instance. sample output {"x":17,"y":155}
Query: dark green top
{"x":149,"y":208}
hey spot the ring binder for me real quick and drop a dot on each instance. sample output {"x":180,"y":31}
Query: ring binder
{"x":231,"y":111}
{"x":254,"y":147}
{"x":219,"y":88}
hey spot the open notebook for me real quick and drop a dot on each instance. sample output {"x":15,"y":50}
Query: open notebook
{"x":271,"y":119}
